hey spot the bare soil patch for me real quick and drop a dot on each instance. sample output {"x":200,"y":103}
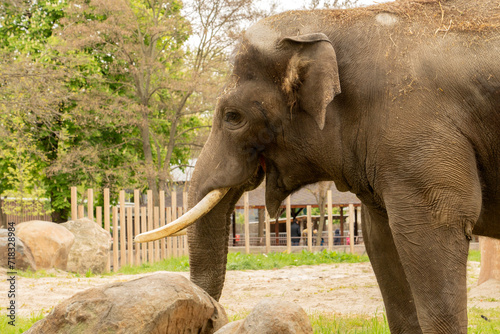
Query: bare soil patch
{"x":328,"y":288}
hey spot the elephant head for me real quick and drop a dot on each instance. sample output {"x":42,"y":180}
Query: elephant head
{"x":273,"y":106}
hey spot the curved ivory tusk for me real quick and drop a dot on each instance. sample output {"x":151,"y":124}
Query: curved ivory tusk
{"x":179,"y":233}
{"x":199,"y":210}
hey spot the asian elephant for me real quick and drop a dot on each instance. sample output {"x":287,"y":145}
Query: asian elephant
{"x":398,"y":103}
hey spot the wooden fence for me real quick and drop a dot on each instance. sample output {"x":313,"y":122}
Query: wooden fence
{"x":20,"y":218}
{"x":133,"y":219}
{"x":125,"y":222}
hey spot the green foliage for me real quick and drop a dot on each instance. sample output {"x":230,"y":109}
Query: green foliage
{"x":34,"y":94}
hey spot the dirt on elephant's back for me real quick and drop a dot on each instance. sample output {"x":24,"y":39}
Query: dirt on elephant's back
{"x":328,"y":288}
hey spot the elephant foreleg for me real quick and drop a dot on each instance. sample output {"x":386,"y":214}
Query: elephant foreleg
{"x":398,"y":299}
{"x":433,"y":244}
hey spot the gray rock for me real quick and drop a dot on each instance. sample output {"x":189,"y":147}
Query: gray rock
{"x":23,"y":258}
{"x":158,"y":303}
{"x":49,"y":243}
{"x":91,"y":247}
{"x":271,"y":316}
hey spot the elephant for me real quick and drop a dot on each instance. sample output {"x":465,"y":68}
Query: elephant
{"x":398,"y":103}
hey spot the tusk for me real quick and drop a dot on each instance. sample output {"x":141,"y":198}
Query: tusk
{"x":179,"y":233}
{"x":199,"y":210}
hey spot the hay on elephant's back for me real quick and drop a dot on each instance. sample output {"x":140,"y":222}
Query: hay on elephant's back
{"x":451,"y":15}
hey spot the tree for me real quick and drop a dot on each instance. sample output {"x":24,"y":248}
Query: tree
{"x":32,"y":91}
{"x":164,"y":86}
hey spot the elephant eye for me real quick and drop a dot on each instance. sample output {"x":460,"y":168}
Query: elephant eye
{"x":233,"y":117}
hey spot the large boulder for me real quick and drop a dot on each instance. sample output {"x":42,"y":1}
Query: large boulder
{"x":271,"y":316}
{"x":50,"y":243}
{"x":158,"y":303}
{"x":23,"y":258}
{"x":91,"y":248}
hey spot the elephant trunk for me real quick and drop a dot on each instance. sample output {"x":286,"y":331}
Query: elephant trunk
{"x":208,"y":243}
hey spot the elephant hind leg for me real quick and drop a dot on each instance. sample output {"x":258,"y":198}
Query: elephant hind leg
{"x":398,"y":298}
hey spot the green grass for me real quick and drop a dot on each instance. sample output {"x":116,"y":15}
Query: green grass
{"x":478,"y":325}
{"x":475,"y":255}
{"x":377,"y":324}
{"x":35,"y":274}
{"x":174,"y":264}
{"x":321,"y":323}
{"x":330,"y":324}
{"x":238,"y":261}
{"x":22,"y":324}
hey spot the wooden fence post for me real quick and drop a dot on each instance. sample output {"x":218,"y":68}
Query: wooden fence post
{"x":74,"y":203}
{"x":185,"y":209}
{"x":150,"y":225}
{"x":330,"y":219}
{"x":182,"y":241}
{"x":81,"y":211}
{"x":163,"y":241}
{"x":98,"y":214}
{"x":309,"y":229}
{"x":106,"y":221}
{"x":137,"y":224}
{"x":130,"y":250}
{"x":143,"y":229}
{"x":358,"y":212}
{"x":175,"y":250}
{"x":90,"y":204}
{"x":268,"y":233}
{"x":174,"y":205}
{"x":156,"y":244}
{"x":123,"y":255}
{"x":288,"y":225}
{"x":247,"y":222}
{"x":115,"y":238}
{"x":351,"y":227}
{"x":168,"y":241}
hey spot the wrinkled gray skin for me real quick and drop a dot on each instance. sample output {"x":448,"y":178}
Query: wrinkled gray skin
{"x":401,"y":109}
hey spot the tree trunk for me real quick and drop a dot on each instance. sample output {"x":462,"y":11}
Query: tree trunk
{"x":148,"y":157}
{"x":490,"y":259}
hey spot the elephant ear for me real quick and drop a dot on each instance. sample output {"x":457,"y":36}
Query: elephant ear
{"x":312,"y":76}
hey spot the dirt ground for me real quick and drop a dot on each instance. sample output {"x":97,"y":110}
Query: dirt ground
{"x":333,"y":288}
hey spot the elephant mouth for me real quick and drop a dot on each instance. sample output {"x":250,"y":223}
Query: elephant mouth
{"x":209,"y":201}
